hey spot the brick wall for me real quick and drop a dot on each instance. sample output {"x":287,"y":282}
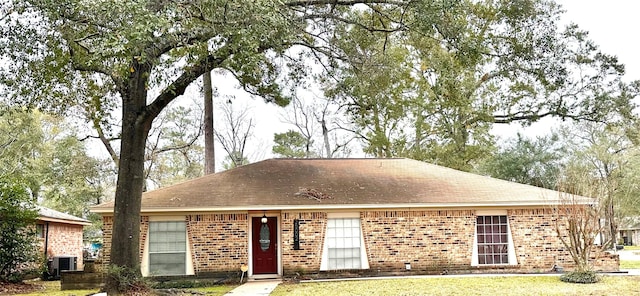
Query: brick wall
{"x":64,"y":239}
{"x":219,"y":241}
{"x":311,"y":235}
{"x":429,"y":240}
{"x":443,"y":240}
{"x":538,"y":247}
{"x":107,"y":233}
{"x":535,"y":239}
{"x":432,"y":241}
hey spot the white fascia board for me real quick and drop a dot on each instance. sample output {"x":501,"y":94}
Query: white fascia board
{"x":63,"y":221}
{"x":413,"y":206}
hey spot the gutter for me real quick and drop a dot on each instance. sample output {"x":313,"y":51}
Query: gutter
{"x":65,"y":221}
{"x":416,"y":206}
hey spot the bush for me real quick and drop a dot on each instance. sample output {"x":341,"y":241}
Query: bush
{"x":123,"y":280}
{"x":580,"y":277}
{"x":18,"y":241}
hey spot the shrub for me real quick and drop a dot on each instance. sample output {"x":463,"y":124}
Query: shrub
{"x":580,"y":277}
{"x":128,"y":281}
{"x":18,"y":241}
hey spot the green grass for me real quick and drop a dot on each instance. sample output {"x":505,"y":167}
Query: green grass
{"x":52,"y":288}
{"x":216,"y":290}
{"x":517,"y":285}
{"x":629,"y":264}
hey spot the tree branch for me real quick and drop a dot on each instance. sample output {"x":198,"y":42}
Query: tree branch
{"x":509,"y":118}
{"x":351,"y":22}
{"x":165,"y":43}
{"x":76,"y":57}
{"x":178,"y":86}
{"x":342,"y":3}
{"x":106,"y":142}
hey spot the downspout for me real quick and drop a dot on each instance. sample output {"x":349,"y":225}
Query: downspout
{"x":46,"y":241}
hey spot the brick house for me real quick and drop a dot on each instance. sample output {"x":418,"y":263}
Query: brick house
{"x":60,"y":234}
{"x":333,"y":217}
{"x":630,"y":231}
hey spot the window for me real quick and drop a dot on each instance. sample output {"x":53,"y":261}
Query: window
{"x":492,"y":240}
{"x":167,"y":248}
{"x":343,"y":243}
{"x":40,"y":230}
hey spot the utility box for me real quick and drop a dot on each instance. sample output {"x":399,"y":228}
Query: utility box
{"x":62,"y":263}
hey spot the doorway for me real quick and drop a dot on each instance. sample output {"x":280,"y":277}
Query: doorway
{"x":264,"y":244}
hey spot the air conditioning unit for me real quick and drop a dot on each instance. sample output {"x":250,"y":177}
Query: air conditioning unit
{"x":61,"y":263}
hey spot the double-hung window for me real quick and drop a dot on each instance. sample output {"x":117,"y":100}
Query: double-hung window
{"x":343,"y":244}
{"x":492,"y":236}
{"x":167,"y":248}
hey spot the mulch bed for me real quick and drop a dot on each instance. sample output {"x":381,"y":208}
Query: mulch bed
{"x":19,"y":288}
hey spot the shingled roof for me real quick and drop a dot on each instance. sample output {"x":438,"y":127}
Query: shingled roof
{"x":47,"y":214}
{"x":278,"y":184}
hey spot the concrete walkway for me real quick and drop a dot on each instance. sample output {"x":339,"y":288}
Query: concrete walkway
{"x":629,"y":255}
{"x":255,"y":287}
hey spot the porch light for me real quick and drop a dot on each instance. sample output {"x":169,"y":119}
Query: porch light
{"x":264,"y":218}
{"x":407,"y":266}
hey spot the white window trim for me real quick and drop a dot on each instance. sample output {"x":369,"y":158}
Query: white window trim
{"x":324,"y":262}
{"x":511,"y":251}
{"x":144,"y":265}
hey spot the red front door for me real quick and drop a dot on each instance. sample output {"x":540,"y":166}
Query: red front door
{"x":264,"y":242}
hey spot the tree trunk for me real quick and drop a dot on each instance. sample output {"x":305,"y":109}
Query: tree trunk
{"x":125,"y":241}
{"x":209,"y":150}
{"x":325,"y":136}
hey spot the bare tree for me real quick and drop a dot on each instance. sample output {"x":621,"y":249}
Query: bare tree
{"x":173,"y":151}
{"x":236,"y":130}
{"x":314,"y":120}
{"x":578,"y":218}
{"x":171,"y":146}
{"x":302,"y":117}
{"x":605,"y":151}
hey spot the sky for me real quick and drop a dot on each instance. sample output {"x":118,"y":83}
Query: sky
{"x":613,"y":26}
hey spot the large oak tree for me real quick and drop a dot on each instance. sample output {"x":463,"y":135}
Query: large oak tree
{"x":470,"y":66}
{"x":139,"y":56}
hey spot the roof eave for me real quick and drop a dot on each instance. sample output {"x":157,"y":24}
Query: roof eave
{"x":49,"y":219}
{"x":338,"y":207}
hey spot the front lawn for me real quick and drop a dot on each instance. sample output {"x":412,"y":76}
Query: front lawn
{"x":629,"y":264}
{"x":52,"y":288}
{"x":479,"y":285}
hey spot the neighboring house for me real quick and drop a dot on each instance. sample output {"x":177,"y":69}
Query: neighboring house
{"x":630,"y":231}
{"x":60,"y":235}
{"x":347,"y":216}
